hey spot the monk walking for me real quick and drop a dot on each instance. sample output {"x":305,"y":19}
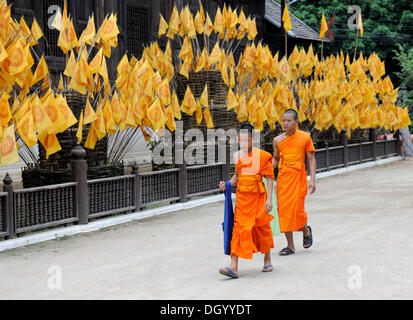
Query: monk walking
{"x":251,"y":231}
{"x":290,"y":149}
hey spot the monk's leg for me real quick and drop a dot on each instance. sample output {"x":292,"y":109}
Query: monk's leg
{"x":234,"y":263}
{"x":290,"y":242}
{"x":306,"y":231}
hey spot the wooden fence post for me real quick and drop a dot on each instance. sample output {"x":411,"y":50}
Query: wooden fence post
{"x":136,"y":187}
{"x":180,"y":163}
{"x":79,"y":175}
{"x":327,"y":158}
{"x":344,"y":142}
{"x":372,"y":137}
{"x":398,"y":142}
{"x":11,"y":223}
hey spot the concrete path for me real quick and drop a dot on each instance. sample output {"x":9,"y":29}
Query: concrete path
{"x":362,"y":223}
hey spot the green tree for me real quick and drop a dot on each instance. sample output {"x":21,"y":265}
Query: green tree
{"x":405,"y":59}
{"x":386,"y":23}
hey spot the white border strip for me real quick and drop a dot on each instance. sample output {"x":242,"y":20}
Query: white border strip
{"x":112,"y":221}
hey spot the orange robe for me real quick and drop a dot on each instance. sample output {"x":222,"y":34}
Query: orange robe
{"x":292,"y":181}
{"x":252,"y":231}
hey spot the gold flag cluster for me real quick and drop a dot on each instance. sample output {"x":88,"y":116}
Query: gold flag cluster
{"x":332,"y":92}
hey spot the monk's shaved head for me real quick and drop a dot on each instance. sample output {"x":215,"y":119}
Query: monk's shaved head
{"x":292,"y":112}
{"x":247,"y":128}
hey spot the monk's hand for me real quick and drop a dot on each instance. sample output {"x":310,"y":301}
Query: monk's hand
{"x":268,"y":205}
{"x":222,"y":185}
{"x":312,"y":187}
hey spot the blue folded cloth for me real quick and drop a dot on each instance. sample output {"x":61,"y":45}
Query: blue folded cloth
{"x":228,"y":223}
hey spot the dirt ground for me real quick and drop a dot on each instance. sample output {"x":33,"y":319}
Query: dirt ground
{"x":362,"y":223}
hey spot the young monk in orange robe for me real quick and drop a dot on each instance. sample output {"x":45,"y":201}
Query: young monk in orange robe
{"x":252,"y":231}
{"x":290,"y":149}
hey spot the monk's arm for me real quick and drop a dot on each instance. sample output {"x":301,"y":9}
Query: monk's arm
{"x":270,"y":189}
{"x":234,"y":179}
{"x":313,"y":168}
{"x":276,"y":156}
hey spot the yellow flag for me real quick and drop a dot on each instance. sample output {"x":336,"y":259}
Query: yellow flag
{"x":66,"y":112}
{"x":109,"y":122}
{"x":116,"y":108}
{"x":50,"y":143}
{"x":96,"y":62}
{"x":41,"y":71}
{"x":208,"y":118}
{"x":90,"y":114}
{"x":55,"y":115}
{"x":26,"y":129}
{"x":99,"y":124}
{"x":109,"y":28}
{"x":198,"y":114}
{"x":163,"y":26}
{"x":208,"y":27}
{"x":79,"y":133}
{"x":170,"y":119}
{"x":42,"y":122}
{"x":202,"y":60}
{"x":360,"y":24}
{"x":88,"y":35}
{"x":70,"y":66}
{"x":232,"y":102}
{"x":215,"y":54}
{"x":156,"y":115}
{"x":8,"y":147}
{"x":203,"y":99}
{"x":91,"y":138}
{"x":175,"y":106}
{"x":3,"y":52}
{"x":284,"y":69}
{"x":173,"y":23}
{"x":218,"y":23}
{"x":36,"y":30}
{"x":18,"y":59}
{"x":323,"y":27}
{"x":5,"y":114}
{"x":286,"y":19}
{"x":189,"y":103}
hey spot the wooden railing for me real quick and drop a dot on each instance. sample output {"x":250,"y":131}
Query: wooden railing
{"x":80,"y":201}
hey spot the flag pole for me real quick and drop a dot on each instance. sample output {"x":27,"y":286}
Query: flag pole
{"x":355,"y":49}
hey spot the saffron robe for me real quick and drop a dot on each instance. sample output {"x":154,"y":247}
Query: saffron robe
{"x":252,"y":231}
{"x":292,"y":180}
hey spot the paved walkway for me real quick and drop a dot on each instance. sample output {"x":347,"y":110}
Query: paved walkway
{"x":362,"y":223}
